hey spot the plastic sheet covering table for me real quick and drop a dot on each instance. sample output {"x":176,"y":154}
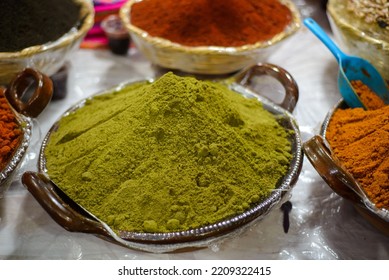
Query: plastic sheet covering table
{"x":323,"y":225}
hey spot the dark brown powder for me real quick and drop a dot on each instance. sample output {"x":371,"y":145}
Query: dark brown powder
{"x":26,"y":23}
{"x":360,"y":139}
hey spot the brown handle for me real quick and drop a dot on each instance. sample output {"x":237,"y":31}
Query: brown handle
{"x":39,"y":98}
{"x":335,"y":176}
{"x":245,"y":78}
{"x":43,"y":189}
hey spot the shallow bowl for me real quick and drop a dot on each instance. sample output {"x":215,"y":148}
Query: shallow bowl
{"x":212,"y":60}
{"x":319,"y":153}
{"x":75,"y":218}
{"x":25,"y":112}
{"x":51,"y":56}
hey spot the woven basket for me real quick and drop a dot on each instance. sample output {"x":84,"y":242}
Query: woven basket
{"x":204,"y":60}
{"x":49,"y":57}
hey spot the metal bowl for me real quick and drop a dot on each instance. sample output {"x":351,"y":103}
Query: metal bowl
{"x":205,"y":59}
{"x":24,"y":112}
{"x":74,"y":218}
{"x":319,"y":153}
{"x":51,"y":56}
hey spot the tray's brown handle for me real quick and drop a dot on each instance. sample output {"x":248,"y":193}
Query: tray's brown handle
{"x":340,"y":181}
{"x":289,"y":102}
{"x":43,"y":189}
{"x":40,"y":97}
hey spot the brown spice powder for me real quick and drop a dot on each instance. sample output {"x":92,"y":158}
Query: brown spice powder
{"x":10,"y":133}
{"x":212,"y":23}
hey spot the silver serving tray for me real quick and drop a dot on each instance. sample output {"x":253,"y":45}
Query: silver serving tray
{"x":73,"y":217}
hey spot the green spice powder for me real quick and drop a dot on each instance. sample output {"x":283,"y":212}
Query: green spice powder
{"x":171,"y":155}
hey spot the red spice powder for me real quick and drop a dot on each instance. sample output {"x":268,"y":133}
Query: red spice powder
{"x":360,"y":139}
{"x":10,"y":132}
{"x":211,"y":22}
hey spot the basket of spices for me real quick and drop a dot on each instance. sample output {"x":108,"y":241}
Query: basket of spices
{"x":16,"y":119}
{"x":362,"y":29}
{"x":173,"y":163}
{"x":209,"y":37}
{"x":352,"y":156}
{"x":41,"y":34}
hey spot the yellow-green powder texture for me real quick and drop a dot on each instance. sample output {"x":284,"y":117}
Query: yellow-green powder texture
{"x":171,"y":155}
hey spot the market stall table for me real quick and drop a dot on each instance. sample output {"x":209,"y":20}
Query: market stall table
{"x":322,"y":224}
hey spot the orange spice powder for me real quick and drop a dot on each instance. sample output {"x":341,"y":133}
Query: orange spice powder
{"x":360,"y":139}
{"x":10,"y":133}
{"x":225,"y":23}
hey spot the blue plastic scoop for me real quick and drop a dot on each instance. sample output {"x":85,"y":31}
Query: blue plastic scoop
{"x":351,"y":68}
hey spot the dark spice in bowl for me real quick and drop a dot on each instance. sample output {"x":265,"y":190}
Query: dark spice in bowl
{"x":26,"y":23}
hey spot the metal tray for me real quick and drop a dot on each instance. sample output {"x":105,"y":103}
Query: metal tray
{"x":73,"y":217}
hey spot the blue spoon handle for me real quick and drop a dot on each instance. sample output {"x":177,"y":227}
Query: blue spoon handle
{"x":320,"y":33}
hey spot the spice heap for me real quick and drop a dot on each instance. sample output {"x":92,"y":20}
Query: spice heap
{"x":10,"y":132}
{"x":368,"y":97}
{"x":211,"y":23}
{"x":360,"y":139}
{"x":26,"y":23}
{"x":172,"y":155}
{"x":371,"y":11}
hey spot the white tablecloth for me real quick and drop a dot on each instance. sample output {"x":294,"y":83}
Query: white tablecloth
{"x":323,"y":225}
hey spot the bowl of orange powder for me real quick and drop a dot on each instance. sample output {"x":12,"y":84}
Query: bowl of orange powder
{"x":16,"y":119}
{"x":209,"y":37}
{"x":351,"y":154}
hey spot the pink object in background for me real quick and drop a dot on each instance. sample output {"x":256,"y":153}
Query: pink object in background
{"x":96,"y":37}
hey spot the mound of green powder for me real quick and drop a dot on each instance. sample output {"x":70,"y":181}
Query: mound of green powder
{"x":26,"y":23}
{"x":171,"y":155}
